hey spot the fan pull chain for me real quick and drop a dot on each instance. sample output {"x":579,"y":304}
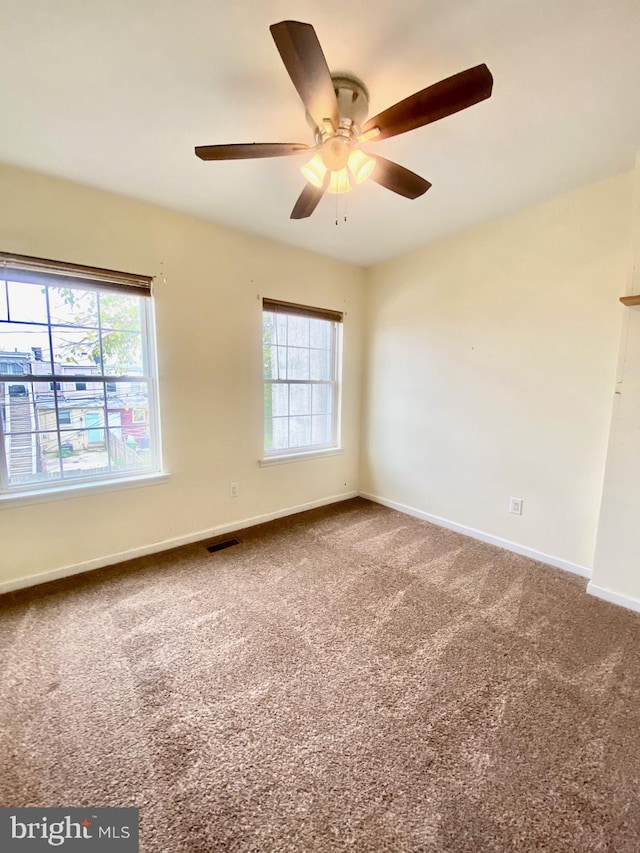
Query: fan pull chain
{"x":344,"y":206}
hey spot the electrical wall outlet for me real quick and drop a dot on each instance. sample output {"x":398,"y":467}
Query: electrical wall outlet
{"x":515,"y":506}
{"x":234,"y":490}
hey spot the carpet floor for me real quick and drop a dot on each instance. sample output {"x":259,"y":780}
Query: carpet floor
{"x":347,"y":679}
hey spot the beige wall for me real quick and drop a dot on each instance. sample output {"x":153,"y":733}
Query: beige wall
{"x":491,"y":364}
{"x":208,"y":318}
{"x":617,"y":564}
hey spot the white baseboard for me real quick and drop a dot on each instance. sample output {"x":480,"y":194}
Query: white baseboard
{"x":166,"y":544}
{"x":613,"y":597}
{"x":557,"y":562}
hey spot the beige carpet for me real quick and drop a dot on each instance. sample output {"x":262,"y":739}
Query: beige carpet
{"x":345,"y":679}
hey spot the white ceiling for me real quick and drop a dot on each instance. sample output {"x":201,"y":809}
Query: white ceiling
{"x":116,"y":94}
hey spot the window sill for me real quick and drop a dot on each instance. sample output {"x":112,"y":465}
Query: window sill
{"x":78,"y":490}
{"x":282,"y":459}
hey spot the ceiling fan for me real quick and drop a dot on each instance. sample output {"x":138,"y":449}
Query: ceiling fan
{"x":337,"y":107}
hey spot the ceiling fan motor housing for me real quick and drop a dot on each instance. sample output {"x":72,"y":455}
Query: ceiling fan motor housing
{"x":353,"y":105}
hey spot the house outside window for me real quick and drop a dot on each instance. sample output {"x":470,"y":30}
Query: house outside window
{"x":301,"y":357}
{"x":80,"y":342}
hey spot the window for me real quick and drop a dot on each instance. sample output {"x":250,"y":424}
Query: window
{"x":301,"y":358}
{"x":73,"y":327}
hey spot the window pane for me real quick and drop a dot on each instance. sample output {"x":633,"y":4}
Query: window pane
{"x":319,"y":334}
{"x":86,"y":409}
{"x":48,"y":446}
{"x":300,"y":399}
{"x":130,"y":400}
{"x":129,"y":447}
{"x":322,"y":398}
{"x":72,"y":307}
{"x":268,"y":437}
{"x":298,"y":330}
{"x":44,"y":407}
{"x":16,"y":402}
{"x":75,"y":350}
{"x":321,"y":429}
{"x":268,"y":401}
{"x":25,"y":345}
{"x":268,"y":348}
{"x":280,"y":336}
{"x":269,"y":361}
{"x":300,"y":431}
{"x":32,"y":457}
{"x":280,"y":366}
{"x":128,"y":425}
{"x":94,"y":420}
{"x":118,"y":311}
{"x":279,"y":399}
{"x":297,"y":363}
{"x":280,"y":433}
{"x":320,"y":364}
{"x":84,"y":451}
{"x":122,"y":353}
{"x":31,"y":451}
{"x":267,"y":328}
{"x":27,"y":302}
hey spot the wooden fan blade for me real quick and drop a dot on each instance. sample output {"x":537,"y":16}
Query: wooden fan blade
{"x":304,"y":60}
{"x":433,"y":103}
{"x":250,"y":151}
{"x":308,"y":200}
{"x":398,"y":179}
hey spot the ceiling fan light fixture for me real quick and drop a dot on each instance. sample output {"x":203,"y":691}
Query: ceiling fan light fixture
{"x":335,"y":152}
{"x":315,"y":170}
{"x":360,"y":165}
{"x":339,"y":181}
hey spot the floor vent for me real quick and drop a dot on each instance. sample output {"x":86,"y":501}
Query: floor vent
{"x":226,"y":543}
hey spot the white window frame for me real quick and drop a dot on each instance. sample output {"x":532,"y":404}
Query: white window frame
{"x":57,"y":274}
{"x":290,"y":454}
